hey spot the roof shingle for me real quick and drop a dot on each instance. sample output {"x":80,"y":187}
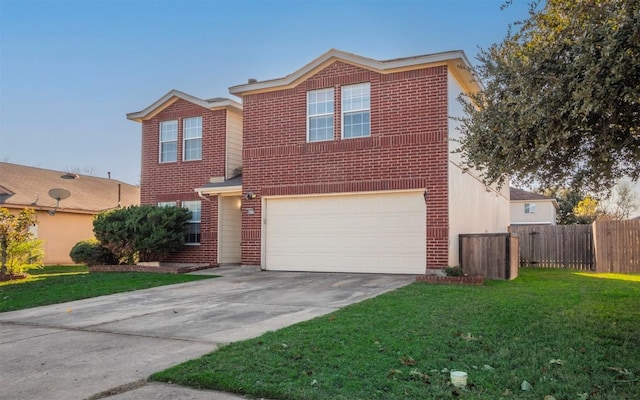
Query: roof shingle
{"x":29,"y":187}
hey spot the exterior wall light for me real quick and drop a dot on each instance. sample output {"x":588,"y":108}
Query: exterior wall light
{"x":250,"y":196}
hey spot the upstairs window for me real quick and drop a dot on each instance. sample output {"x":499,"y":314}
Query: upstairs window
{"x":529,"y":208}
{"x":356,"y":104}
{"x":320,"y":115}
{"x":169,"y":141}
{"x":193,"y":236}
{"x":192,"y":131}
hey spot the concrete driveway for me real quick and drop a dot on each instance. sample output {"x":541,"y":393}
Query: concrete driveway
{"x":86,"y":348}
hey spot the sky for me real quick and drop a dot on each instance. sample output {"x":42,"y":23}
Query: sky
{"x":70,"y":71}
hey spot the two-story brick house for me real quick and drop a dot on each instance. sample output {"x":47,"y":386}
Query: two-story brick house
{"x":350,"y":163}
{"x":346,"y":166}
{"x":190,"y":145}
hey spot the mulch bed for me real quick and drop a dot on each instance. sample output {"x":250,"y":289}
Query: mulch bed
{"x":451,"y":280}
{"x":12,"y":277}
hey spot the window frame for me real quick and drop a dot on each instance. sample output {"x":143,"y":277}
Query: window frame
{"x":162,"y":142}
{"x":363,"y":99}
{"x":167,"y":204}
{"x":530,"y":208}
{"x":193,"y":221}
{"x":330,"y":94}
{"x":185,"y":137}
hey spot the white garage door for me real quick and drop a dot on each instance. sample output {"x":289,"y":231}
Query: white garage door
{"x":369,"y":233}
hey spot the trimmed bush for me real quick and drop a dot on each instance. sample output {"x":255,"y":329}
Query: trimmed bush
{"x":142,"y":233}
{"x":91,"y":252}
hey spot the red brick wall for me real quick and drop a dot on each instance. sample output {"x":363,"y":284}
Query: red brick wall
{"x":176,"y":181}
{"x":407,"y":148}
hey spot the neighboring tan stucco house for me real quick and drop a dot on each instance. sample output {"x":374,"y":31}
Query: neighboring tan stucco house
{"x":528,"y":208}
{"x":191,"y":146}
{"x":61,"y":226}
{"x":346,"y":167}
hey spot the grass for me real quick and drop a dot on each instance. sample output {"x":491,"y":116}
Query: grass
{"x":58,"y":284}
{"x":569,"y":335}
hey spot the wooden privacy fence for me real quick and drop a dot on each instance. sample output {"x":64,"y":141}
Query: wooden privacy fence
{"x":617,"y":246}
{"x":604,"y":246}
{"x":492,"y":255}
{"x":556,"y":246}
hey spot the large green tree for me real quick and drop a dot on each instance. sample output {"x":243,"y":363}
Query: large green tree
{"x":561,"y":98}
{"x":567,"y":200}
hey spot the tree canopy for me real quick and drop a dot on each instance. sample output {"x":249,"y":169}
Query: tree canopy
{"x":561,"y":98}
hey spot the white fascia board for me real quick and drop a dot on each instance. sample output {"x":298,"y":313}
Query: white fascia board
{"x":381,"y":66}
{"x":219,"y":190}
{"x":141,"y":115}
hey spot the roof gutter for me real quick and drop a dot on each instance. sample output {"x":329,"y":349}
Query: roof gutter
{"x":218,"y":190}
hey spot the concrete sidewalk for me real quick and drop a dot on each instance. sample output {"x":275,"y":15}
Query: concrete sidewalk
{"x":108,"y":345}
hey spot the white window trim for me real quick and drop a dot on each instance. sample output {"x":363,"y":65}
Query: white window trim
{"x":332,"y":113}
{"x":192,"y":221}
{"x":160,"y":142}
{"x":343,"y":113}
{"x":185,"y":139}
{"x":530,"y":208}
{"x":167,"y":204}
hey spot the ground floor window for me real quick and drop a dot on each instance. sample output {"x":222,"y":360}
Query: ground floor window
{"x":193,"y":236}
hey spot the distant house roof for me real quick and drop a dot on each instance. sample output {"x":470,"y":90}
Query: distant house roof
{"x":22,"y":186}
{"x":174,"y":95}
{"x":520,"y":194}
{"x":457,"y":61}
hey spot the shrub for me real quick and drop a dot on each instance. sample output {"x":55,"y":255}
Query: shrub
{"x":147,"y":233}
{"x":24,"y":255}
{"x":19,"y":249}
{"x":91,"y":252}
{"x":454,"y":271}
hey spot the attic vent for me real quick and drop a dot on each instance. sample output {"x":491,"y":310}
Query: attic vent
{"x":252,"y":80}
{"x":69,"y":175}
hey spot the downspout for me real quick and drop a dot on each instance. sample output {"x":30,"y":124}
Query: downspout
{"x":202,"y":196}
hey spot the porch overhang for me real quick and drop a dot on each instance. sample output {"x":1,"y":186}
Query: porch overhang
{"x":229,"y":187}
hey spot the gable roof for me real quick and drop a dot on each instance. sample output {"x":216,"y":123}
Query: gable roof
{"x":22,"y":186}
{"x":520,"y":194}
{"x":172,"y":96}
{"x":456,"y":60}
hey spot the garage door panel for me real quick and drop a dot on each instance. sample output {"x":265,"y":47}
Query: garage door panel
{"x":382,"y":233}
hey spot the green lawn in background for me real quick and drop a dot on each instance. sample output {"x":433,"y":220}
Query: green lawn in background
{"x":58,"y":284}
{"x":568,"y":335}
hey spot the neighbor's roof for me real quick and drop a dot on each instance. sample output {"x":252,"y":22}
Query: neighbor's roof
{"x":174,"y":95}
{"x":457,"y":61}
{"x":22,"y":186}
{"x":519,"y":194}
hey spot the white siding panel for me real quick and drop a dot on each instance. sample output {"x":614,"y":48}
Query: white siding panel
{"x":369,"y":233}
{"x":230,"y":230}
{"x":473,"y":208}
{"x":234,"y":142}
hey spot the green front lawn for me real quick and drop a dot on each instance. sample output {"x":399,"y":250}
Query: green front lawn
{"x":568,"y":335}
{"x":58,"y":284}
